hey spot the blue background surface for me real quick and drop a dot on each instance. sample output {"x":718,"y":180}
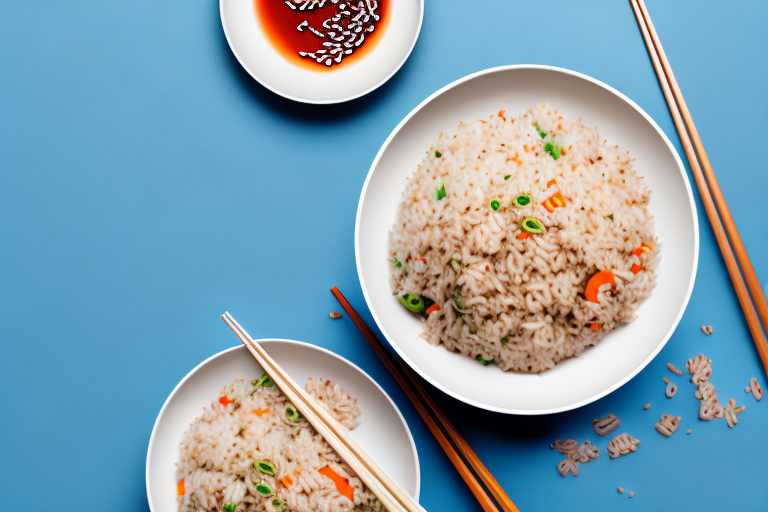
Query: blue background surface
{"x":148,"y":184}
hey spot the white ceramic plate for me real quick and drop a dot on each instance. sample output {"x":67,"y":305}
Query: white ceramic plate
{"x":380,"y":420}
{"x":265,"y":64}
{"x":622,"y":353}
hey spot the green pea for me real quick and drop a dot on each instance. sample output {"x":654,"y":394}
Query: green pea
{"x":229,"y":507}
{"x":522,"y":200}
{"x":504,"y":341}
{"x":438,"y":154}
{"x":413,"y":302}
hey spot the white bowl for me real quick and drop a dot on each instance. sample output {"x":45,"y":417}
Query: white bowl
{"x":265,"y":64}
{"x":381,"y":420}
{"x":623,"y":352}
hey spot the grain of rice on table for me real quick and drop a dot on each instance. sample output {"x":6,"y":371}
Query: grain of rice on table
{"x":489,"y":289}
{"x":252,"y":451}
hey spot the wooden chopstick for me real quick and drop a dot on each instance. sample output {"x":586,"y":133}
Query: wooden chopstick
{"x":392,"y":496}
{"x":729,"y":235}
{"x":725,"y":213}
{"x":474,"y":473}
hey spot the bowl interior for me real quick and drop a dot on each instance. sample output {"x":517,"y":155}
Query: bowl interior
{"x":258,"y":56}
{"x":380,"y":417}
{"x":623,"y":352}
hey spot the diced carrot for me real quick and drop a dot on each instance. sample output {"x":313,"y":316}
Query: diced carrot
{"x":523,"y":235}
{"x":559,"y":126}
{"x":342,"y":485}
{"x":180,"y":491}
{"x":287,"y":481}
{"x":573,"y":167}
{"x":327,"y":382}
{"x":595,"y":327}
{"x":551,"y":183}
{"x":562,"y":151}
{"x":431,"y":309}
{"x":421,"y":260}
{"x":224,"y":401}
{"x":640,"y":250}
{"x":501,"y":114}
{"x":596,"y":281}
{"x":259,"y":412}
{"x":635,"y":268}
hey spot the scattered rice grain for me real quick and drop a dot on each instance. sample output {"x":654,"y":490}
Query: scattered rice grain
{"x":674,"y":369}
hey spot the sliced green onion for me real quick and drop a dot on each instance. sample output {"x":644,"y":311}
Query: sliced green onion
{"x":553,"y":149}
{"x":438,"y":154}
{"x":541,"y":132}
{"x":440,"y":192}
{"x":456,"y":265}
{"x":264,"y":489}
{"x":277,"y":504}
{"x":484,"y":362}
{"x":507,"y":177}
{"x":413,"y":302}
{"x":495,"y":205}
{"x":472,"y":328}
{"x":522,"y":200}
{"x":264,"y":380}
{"x":265,"y":467}
{"x":291,"y":414}
{"x":229,"y":507}
{"x":531,"y":225}
{"x":610,"y":217}
{"x":458,"y":299}
{"x":398,"y":264}
{"x":504,"y":341}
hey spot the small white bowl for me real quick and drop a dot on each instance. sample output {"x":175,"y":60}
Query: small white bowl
{"x":623,"y":352}
{"x":265,"y":64}
{"x":381,"y":420}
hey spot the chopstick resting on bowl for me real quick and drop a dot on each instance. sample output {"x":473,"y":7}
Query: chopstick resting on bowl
{"x":391,"y":495}
{"x":709,"y":188}
{"x":480,"y":481}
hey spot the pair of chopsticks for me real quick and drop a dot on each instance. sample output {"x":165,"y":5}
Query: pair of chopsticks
{"x":480,"y":481}
{"x":391,"y":495}
{"x":709,"y":188}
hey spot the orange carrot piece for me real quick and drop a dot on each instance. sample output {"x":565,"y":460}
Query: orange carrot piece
{"x":595,"y":282}
{"x":180,"y":490}
{"x":595,"y":327}
{"x":431,"y":309}
{"x":640,"y":250}
{"x":342,"y":485}
{"x":573,"y":167}
{"x":523,"y":235}
{"x":501,"y":114}
{"x":635,"y":268}
{"x":287,"y":481}
{"x":551,"y":182}
{"x":224,"y":401}
{"x":259,"y":412}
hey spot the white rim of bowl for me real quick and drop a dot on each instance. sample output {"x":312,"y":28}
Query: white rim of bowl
{"x":691,"y":201}
{"x":321,"y":102}
{"x":290,"y":342}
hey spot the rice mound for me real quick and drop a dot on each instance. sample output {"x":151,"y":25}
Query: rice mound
{"x":521,"y":302}
{"x":218,"y":452}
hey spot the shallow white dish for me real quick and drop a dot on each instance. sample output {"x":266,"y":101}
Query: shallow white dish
{"x":381,"y":420}
{"x":265,"y":64}
{"x":623,"y":352}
